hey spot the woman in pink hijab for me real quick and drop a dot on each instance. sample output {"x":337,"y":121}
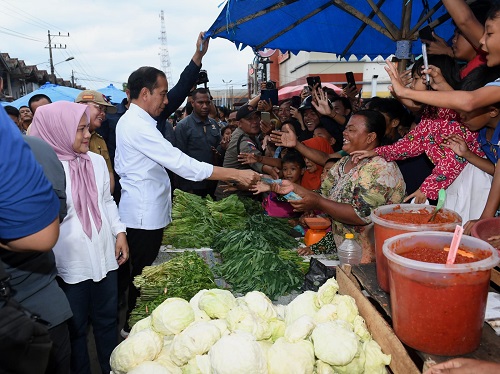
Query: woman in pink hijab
{"x":92,"y":241}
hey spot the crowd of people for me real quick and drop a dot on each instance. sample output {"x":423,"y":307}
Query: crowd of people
{"x":88,"y":186}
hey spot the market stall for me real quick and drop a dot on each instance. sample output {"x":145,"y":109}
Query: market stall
{"x":227,"y":295}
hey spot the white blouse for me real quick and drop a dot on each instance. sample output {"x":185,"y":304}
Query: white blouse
{"x":77,"y":257}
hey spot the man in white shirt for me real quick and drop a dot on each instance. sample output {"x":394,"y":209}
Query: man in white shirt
{"x":142,"y":154}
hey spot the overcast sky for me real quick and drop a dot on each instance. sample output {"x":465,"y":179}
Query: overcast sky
{"x":110,"y":39}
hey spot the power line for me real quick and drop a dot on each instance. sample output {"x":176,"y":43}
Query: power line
{"x":23,"y":16}
{"x":19,"y":35}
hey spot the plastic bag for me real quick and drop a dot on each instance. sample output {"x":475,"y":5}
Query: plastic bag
{"x":318,"y":274}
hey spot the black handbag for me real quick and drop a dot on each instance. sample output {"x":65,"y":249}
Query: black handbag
{"x":25,"y":342}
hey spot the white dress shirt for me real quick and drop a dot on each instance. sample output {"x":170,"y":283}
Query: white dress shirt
{"x":78,"y":258}
{"x":142,"y":154}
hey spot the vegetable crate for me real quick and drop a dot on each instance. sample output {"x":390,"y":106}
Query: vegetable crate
{"x":401,"y":362}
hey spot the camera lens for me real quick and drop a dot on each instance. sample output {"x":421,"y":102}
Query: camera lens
{"x":270,"y":85}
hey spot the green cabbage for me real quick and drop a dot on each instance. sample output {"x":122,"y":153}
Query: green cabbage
{"x":327,"y":291}
{"x":196,"y":339}
{"x":334,"y":343}
{"x":299,"y":329}
{"x":291,"y":358}
{"x":172,"y":316}
{"x":323,"y":368}
{"x":149,"y":367}
{"x":143,"y":346}
{"x":376,"y":360}
{"x":241,"y":318}
{"x":216,"y":303}
{"x":237,"y":353}
{"x":261,"y":305}
{"x":347,"y":309}
{"x":328,"y":312}
{"x":304,"y":304}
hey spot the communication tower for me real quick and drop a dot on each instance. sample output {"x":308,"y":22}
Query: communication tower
{"x":164,"y":57}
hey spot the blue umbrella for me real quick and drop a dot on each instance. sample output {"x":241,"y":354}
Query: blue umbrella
{"x":54,"y":91}
{"x":114,"y":94}
{"x":359,"y":27}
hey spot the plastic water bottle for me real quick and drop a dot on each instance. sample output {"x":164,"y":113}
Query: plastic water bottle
{"x":349,"y":251}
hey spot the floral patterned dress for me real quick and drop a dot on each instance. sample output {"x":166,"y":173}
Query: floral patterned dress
{"x":369,"y":184}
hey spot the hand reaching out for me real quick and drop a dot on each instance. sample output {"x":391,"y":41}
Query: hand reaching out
{"x":248,"y":158}
{"x":437,"y":80}
{"x":397,"y":88}
{"x":438,"y":46}
{"x":321,"y":103}
{"x":494,"y":241}
{"x":457,"y":144}
{"x":418,"y":195}
{"x":464,"y":366}
{"x":265,"y":106}
{"x":350,"y":91}
{"x":357,"y":156}
{"x":260,"y":187}
{"x":406,"y":77}
{"x":284,"y":139}
{"x":469,"y":225}
{"x":305,"y":251}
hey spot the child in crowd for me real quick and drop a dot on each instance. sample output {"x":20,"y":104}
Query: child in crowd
{"x":322,"y":132}
{"x":428,"y":136}
{"x":485,"y":121}
{"x":92,"y":242}
{"x":327,"y":243}
{"x":465,"y":100}
{"x":312,"y":175}
{"x":293,"y":168}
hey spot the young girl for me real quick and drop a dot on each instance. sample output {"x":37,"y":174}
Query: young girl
{"x":92,"y":242}
{"x":428,"y":136}
{"x":293,"y":167}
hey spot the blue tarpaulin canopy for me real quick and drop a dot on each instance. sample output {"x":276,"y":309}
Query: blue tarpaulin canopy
{"x":354,"y":27}
{"x":114,"y":94}
{"x":54,"y":91}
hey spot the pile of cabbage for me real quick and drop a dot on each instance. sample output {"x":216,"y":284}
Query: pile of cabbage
{"x":216,"y":333}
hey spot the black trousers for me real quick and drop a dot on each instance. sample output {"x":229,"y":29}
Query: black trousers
{"x":144,"y":246}
{"x":60,"y":355}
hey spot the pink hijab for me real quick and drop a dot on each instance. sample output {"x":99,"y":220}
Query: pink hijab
{"x":57,"y":124}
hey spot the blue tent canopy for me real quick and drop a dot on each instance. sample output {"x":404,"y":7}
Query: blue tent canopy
{"x":359,"y":27}
{"x":54,"y":91}
{"x":114,"y":94}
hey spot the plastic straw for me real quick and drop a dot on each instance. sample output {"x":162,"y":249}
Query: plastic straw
{"x":457,"y":236}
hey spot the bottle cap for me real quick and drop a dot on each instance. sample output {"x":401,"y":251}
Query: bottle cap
{"x":349,"y":236}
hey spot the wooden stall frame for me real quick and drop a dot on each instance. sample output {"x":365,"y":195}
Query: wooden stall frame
{"x":401,"y":363}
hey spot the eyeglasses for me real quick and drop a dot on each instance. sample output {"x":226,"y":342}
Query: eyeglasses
{"x":101,"y":108}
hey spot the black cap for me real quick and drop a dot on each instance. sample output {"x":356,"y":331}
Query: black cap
{"x":245,"y":111}
{"x":306,"y":104}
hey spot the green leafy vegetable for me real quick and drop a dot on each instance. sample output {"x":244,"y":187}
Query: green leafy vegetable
{"x":182,"y":276}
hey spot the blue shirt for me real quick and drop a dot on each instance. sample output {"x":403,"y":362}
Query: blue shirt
{"x":27,"y":202}
{"x":492,"y":147}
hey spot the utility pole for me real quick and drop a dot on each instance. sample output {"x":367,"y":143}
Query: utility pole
{"x":226,"y":92}
{"x":50,"y":47}
{"x":72,"y":79}
{"x":164,"y":57}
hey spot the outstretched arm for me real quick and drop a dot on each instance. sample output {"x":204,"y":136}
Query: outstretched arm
{"x":466,"y":101}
